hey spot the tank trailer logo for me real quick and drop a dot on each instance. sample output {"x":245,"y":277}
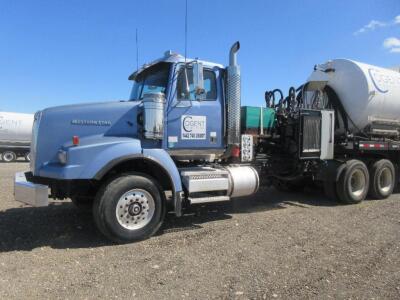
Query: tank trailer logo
{"x":193,"y":127}
{"x":8,"y":124}
{"x":91,"y":122}
{"x":383,"y":80}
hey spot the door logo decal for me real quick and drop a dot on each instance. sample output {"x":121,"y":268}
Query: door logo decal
{"x":193,"y":127}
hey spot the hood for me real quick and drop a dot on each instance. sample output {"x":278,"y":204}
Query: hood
{"x":56,"y":126}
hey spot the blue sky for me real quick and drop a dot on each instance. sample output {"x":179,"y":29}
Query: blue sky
{"x":60,"y":52}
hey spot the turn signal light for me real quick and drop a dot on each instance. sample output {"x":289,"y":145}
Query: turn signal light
{"x":75,"y":140}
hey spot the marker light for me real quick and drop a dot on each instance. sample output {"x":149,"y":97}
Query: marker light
{"x":75,"y":140}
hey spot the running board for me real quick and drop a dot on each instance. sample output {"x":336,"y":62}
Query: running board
{"x":208,"y":199}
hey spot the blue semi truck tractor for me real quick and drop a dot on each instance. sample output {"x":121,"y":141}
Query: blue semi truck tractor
{"x":183,"y":139}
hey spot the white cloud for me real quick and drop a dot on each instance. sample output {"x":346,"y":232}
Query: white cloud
{"x":392,"y":44}
{"x":374,"y":24}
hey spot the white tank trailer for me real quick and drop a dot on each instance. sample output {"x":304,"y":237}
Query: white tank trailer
{"x":370,"y":95}
{"x":15,"y":135}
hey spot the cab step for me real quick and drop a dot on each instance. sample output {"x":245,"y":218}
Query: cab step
{"x":208,"y":199}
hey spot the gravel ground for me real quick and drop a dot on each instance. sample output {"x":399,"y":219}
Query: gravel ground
{"x":271,"y":246}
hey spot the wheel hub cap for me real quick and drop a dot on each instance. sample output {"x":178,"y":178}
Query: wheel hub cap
{"x":357,"y":183}
{"x":135,"y":209}
{"x":385,"y":180}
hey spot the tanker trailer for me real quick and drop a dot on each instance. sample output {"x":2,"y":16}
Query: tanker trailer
{"x":15,"y":135}
{"x":341,"y":129}
{"x":366,"y":103}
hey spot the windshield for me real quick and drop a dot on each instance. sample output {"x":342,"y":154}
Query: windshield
{"x":152,"y":80}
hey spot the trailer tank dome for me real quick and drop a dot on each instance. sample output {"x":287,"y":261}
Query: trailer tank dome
{"x":367,"y":92}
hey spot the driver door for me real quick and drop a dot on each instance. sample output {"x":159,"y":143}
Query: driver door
{"x":195,"y":125}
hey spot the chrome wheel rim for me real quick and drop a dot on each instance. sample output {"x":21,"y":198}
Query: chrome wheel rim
{"x":135,"y":209}
{"x":357,"y":183}
{"x":385,"y":180}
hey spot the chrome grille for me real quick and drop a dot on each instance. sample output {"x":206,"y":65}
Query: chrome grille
{"x":312,"y":134}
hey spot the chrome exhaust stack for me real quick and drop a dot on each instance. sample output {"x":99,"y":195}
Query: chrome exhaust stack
{"x":233,"y":99}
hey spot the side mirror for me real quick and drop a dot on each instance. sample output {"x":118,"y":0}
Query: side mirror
{"x":198,"y":80}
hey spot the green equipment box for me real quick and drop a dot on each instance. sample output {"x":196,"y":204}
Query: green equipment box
{"x":251,"y":118}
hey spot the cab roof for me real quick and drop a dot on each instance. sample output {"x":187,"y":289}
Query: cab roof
{"x":171,"y":57}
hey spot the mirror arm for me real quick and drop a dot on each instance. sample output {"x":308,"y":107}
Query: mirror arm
{"x":187,"y":88}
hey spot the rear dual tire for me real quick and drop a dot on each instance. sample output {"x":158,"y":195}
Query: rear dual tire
{"x":129,"y":208}
{"x":352,"y":186}
{"x":383,"y":179}
{"x":355,"y":181}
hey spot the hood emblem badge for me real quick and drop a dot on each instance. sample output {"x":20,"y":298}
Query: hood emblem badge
{"x":91,"y":122}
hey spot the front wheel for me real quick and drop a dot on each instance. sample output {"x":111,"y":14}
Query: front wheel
{"x":129,"y":208}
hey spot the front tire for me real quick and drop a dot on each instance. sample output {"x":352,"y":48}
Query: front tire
{"x":129,"y":208}
{"x":383,"y":179}
{"x":352,"y":186}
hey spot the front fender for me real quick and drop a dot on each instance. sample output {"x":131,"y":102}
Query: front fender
{"x":158,"y":156}
{"x":87,"y":159}
{"x":164,"y":160}
{"x":113,"y":152}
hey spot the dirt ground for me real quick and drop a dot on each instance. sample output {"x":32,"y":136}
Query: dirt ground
{"x":271,"y":246}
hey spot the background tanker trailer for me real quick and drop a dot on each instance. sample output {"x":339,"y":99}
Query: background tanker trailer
{"x":15,"y":135}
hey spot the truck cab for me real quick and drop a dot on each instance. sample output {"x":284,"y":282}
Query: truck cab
{"x":174,"y":142}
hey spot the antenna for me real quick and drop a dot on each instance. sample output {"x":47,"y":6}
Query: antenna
{"x":186,"y":26}
{"x":137,"y":50}
{"x":187,"y":87}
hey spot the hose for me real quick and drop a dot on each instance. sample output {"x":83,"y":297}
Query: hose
{"x":268,"y":97}
{"x":280,"y":102}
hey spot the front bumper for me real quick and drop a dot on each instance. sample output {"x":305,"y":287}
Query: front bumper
{"x":30,"y":193}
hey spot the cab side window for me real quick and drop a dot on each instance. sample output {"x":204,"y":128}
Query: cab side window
{"x":210,"y":85}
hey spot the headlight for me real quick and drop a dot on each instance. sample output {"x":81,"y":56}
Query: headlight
{"x":62,"y":156}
